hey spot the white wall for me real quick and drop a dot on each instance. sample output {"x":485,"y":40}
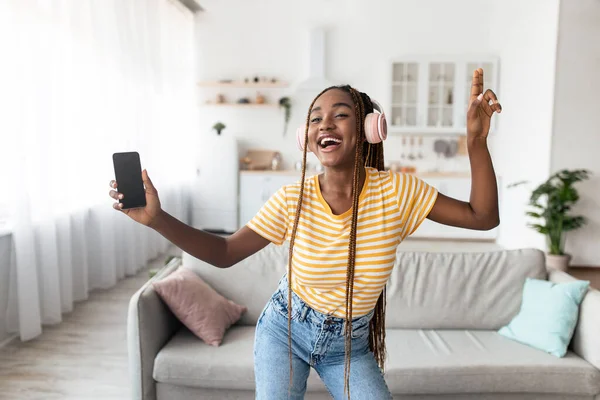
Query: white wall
{"x":270,"y":38}
{"x":523,"y":34}
{"x":576,"y":136}
{"x":239,"y":38}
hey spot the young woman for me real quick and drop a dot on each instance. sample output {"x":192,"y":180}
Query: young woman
{"x":343,"y":227}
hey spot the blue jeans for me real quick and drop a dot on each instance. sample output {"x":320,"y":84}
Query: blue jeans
{"x":317,"y":341}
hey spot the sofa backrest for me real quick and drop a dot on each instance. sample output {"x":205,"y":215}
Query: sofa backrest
{"x":426,"y":290}
{"x":250,"y":283}
{"x":479,"y":290}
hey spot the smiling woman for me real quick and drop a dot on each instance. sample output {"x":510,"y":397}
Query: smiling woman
{"x":346,"y":226}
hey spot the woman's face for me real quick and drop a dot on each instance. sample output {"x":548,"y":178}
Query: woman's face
{"x":332,"y":129}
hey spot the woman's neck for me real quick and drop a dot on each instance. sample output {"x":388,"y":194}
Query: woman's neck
{"x":339,"y":181}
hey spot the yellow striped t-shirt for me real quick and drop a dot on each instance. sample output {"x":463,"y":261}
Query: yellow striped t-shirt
{"x":391,"y":206}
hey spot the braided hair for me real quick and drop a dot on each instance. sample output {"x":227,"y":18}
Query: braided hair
{"x":372,"y":156}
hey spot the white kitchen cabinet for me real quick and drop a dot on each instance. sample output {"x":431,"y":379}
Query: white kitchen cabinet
{"x":458,"y":188}
{"x":431,"y":94}
{"x":214,"y":191}
{"x":256,"y":188}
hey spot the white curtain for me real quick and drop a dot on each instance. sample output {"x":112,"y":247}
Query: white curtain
{"x":80,"y":80}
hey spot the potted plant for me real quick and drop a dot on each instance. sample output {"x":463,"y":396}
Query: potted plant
{"x":286,"y":103}
{"x":219,"y":126}
{"x":551,"y":202}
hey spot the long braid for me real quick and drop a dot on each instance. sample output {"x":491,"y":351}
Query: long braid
{"x":293,"y":235}
{"x":375,"y":159}
{"x":360,"y":117}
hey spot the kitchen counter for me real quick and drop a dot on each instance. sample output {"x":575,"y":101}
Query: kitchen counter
{"x":291,"y":172}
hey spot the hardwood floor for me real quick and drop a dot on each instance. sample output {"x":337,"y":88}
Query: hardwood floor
{"x":83,"y":358}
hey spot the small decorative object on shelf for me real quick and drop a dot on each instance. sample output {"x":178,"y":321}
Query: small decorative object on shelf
{"x":559,"y":196}
{"x":271,"y":83}
{"x":260,"y":99}
{"x":245,"y":163}
{"x":276,"y":162}
{"x":244,"y":100}
{"x":219,"y":126}
{"x":286,"y":103}
{"x":220,"y":99}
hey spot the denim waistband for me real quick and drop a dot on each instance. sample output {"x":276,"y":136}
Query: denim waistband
{"x":306,"y":312}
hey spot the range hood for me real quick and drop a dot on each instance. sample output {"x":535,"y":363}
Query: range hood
{"x":316,"y":79}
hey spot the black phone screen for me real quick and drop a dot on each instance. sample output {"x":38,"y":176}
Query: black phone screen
{"x":128,"y":174}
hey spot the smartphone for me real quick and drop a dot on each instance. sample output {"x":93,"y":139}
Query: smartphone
{"x":128,"y":173}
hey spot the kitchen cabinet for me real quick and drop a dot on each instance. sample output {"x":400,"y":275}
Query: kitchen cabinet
{"x":256,"y":187}
{"x":431,"y":94}
{"x":214,"y":202}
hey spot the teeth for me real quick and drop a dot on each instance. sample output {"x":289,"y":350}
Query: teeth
{"x":330,"y":139}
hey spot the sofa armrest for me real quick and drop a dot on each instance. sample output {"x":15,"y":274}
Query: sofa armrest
{"x":585,"y":341}
{"x":150,"y":324}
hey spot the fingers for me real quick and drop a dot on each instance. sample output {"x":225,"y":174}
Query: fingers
{"x":147,"y":182}
{"x":476,"y":84}
{"x":115,"y":195}
{"x":491,"y":100}
{"x":474,"y":105}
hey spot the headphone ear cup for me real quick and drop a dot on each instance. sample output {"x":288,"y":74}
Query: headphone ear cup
{"x":300,"y":132}
{"x":375,"y":128}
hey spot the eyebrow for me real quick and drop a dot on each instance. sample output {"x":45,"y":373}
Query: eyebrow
{"x":334,"y":106}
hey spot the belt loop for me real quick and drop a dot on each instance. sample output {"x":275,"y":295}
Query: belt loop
{"x":304,"y":312}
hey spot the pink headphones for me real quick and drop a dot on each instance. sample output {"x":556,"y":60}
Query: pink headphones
{"x":375,"y":127}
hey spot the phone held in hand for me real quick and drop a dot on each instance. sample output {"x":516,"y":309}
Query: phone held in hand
{"x":128,"y":174}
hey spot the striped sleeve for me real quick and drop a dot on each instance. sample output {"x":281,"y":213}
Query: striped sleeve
{"x":415,"y":200}
{"x":271,"y":221}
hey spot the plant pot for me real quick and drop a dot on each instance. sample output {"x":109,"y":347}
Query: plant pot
{"x":559,"y":262}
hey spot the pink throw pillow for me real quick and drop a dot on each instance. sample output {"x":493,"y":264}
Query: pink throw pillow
{"x":198,"y":306}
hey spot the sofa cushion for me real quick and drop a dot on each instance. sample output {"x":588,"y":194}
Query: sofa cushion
{"x":548,"y":315}
{"x":479,"y":290}
{"x":250,"y":282}
{"x":198,"y":306}
{"x":185,"y":360}
{"x":472,"y":361}
{"x":419,"y":361}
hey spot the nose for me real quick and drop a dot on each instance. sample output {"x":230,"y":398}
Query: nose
{"x":326,"y":124}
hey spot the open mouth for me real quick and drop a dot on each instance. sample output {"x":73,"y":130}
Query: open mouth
{"x":329,"y":143}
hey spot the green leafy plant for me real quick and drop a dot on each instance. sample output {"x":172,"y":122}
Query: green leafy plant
{"x":219,"y":126}
{"x":551,"y":202}
{"x":286,"y":103}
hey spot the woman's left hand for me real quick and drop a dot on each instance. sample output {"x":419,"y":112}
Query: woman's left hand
{"x":481,"y":107}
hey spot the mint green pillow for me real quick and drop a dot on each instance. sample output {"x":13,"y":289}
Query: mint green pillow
{"x":548,"y":315}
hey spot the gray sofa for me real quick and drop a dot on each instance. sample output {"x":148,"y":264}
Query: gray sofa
{"x":442,"y":316}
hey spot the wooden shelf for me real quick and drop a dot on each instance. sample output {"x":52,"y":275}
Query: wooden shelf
{"x":260,"y":85}
{"x":242,"y":105}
